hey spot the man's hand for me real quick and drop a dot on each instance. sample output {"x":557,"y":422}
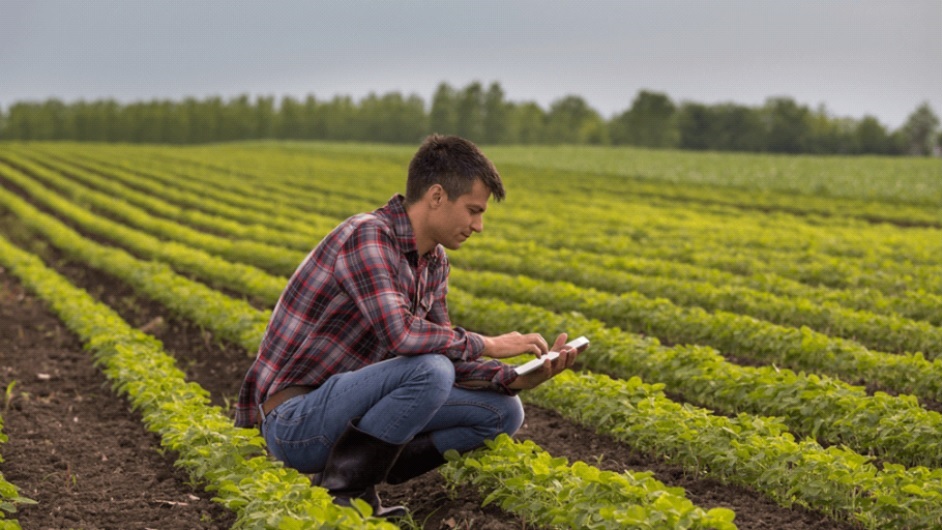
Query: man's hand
{"x":513,"y":344}
{"x":567,"y":356}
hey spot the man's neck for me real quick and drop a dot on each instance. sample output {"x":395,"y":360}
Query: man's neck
{"x":417,"y":216}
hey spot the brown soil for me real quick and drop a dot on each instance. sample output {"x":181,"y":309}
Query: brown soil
{"x":77,"y":449}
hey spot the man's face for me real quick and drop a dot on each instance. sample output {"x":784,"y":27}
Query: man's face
{"x":457,"y":219}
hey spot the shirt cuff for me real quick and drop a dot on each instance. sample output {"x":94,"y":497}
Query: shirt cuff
{"x":475,"y":345}
{"x":505,"y":377}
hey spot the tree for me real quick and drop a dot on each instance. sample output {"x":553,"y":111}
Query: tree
{"x":469,"y":121}
{"x":19,"y":122}
{"x":289,"y":124}
{"x":789,"y":129}
{"x":264,"y":117}
{"x":570,"y":120}
{"x":210,"y":117}
{"x":872,"y":137}
{"x":239,"y":119}
{"x":919,"y":130}
{"x":442,"y":117}
{"x":495,"y":115}
{"x":314,"y":123}
{"x":339,"y":117}
{"x":740,"y":128}
{"x":696,"y":126}
{"x":649,"y":122}
{"x":526,"y":123}
{"x":392,"y":118}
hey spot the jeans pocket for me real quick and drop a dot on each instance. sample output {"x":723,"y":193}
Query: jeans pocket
{"x":295,"y":440}
{"x":307,"y":456}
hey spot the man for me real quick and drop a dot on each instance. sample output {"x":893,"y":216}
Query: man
{"x":360,"y":376}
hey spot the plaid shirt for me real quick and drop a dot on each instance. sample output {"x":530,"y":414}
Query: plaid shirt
{"x":362,"y":296}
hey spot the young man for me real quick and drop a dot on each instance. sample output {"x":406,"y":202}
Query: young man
{"x":361,"y":377}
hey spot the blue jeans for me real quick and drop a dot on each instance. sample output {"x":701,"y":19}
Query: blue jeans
{"x":395,"y":400}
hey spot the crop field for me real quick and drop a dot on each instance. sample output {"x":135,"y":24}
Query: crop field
{"x":766,"y":336}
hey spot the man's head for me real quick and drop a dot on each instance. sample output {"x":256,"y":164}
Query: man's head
{"x":453,"y":163}
{"x":449,"y":184}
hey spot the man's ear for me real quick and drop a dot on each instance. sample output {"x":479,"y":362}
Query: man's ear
{"x":436,"y":195}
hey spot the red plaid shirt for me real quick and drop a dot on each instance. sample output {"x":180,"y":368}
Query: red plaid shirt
{"x":362,"y":296}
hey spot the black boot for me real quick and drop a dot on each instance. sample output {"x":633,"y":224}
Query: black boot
{"x":417,"y":457}
{"x":358,"y":462}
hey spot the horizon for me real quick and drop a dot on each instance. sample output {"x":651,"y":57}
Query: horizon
{"x":428,"y":101}
{"x":856,"y":58}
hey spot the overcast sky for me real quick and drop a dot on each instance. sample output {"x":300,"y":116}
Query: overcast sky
{"x":855,"y":57}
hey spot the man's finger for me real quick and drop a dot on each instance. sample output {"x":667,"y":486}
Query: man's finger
{"x":560,"y":342}
{"x":571,"y":359}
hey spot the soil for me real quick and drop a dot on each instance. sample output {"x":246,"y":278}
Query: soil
{"x":80,"y":452}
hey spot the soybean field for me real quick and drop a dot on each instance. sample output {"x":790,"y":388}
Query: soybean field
{"x":766,"y":336}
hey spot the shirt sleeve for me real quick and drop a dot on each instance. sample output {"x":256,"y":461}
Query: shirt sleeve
{"x":495,"y":374}
{"x":366,"y":268}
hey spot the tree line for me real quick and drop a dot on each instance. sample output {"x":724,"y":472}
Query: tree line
{"x":484,"y":115}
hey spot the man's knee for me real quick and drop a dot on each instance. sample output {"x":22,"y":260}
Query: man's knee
{"x":435,"y":369}
{"x":513,"y":415}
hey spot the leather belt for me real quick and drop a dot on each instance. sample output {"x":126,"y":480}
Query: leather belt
{"x":284,"y":395}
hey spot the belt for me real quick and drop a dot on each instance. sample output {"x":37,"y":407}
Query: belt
{"x":284,"y":395}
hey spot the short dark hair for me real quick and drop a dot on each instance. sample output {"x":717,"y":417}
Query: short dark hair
{"x":454,"y":163}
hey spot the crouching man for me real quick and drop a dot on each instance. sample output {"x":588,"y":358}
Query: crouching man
{"x":361,"y":377}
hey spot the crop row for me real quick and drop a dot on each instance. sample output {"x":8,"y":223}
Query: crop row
{"x":9,"y":494}
{"x":197,"y":207}
{"x":235,"y":320}
{"x":807,"y":242}
{"x":244,"y":251}
{"x":524,"y":479}
{"x":265,"y":494}
{"x":744,"y":449}
{"x":192,"y":259}
{"x":895,"y":427}
{"x":888,"y":332}
{"x":885,"y":332}
{"x":363,"y":190}
{"x":226,"y":196}
{"x":732,"y":333}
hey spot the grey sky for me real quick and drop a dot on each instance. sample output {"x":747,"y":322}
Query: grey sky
{"x":855,"y":57}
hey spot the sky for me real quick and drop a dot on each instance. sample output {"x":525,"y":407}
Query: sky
{"x":854,"y":58}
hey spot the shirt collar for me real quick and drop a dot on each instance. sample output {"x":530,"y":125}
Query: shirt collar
{"x":395,"y":210}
